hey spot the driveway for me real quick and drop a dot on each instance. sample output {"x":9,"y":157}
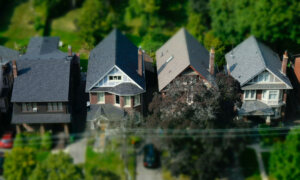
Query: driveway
{"x":143,"y":173}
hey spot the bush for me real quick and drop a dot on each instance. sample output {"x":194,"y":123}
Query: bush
{"x":46,"y":143}
{"x":33,"y":140}
{"x":19,"y":141}
{"x":268,"y":136}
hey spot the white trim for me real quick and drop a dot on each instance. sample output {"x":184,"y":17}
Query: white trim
{"x":254,"y":98}
{"x":101,"y":78}
{"x":129,"y":77}
{"x":279,"y":78}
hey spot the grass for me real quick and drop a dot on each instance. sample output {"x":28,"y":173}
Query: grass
{"x":65,"y":28}
{"x":105,"y":165}
{"x":248,"y":161}
{"x":17,"y":25}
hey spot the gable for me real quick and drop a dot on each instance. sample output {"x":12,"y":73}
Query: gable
{"x":113,"y":78}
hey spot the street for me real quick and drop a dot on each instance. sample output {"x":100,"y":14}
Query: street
{"x":143,"y":173}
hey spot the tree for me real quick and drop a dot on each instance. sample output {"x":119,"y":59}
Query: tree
{"x":46,"y":142}
{"x":205,"y":156}
{"x":18,"y":141}
{"x":19,"y":163}
{"x":57,"y":166}
{"x":285,"y":157}
{"x":233,"y":21}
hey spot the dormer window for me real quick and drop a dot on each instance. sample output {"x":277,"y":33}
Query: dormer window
{"x":115,"y":78}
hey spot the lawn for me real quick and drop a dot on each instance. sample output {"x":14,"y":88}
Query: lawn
{"x":65,"y":28}
{"x":105,"y":165}
{"x":248,"y":161}
{"x":17,"y":24}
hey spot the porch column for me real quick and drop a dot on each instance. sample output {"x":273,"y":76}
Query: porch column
{"x":268,"y":120}
{"x":66,"y":129}
{"x":18,"y":129}
{"x":42,"y":129}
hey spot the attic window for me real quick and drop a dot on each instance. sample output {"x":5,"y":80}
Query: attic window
{"x":115,"y":78}
{"x":170,"y":58}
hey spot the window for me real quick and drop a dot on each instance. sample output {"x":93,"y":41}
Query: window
{"x":55,"y":107}
{"x":101,"y":97}
{"x":117,"y":100}
{"x":29,"y":107}
{"x":115,"y":78}
{"x":127,"y":101}
{"x":264,"y":94}
{"x":250,"y":95}
{"x":273,"y":95}
{"x":137,"y":100}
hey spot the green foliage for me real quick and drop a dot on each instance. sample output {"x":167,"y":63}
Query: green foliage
{"x":268,"y":136}
{"x":18,"y":141}
{"x":210,"y":41}
{"x":46,"y":143}
{"x":19,"y":163}
{"x":268,"y":20}
{"x":248,"y":161}
{"x":105,"y":166}
{"x":285,"y":157}
{"x":57,"y":166}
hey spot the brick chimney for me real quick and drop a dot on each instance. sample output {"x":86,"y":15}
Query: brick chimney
{"x":15,"y":70}
{"x":284,"y":62}
{"x":212,"y":61}
{"x":140,"y":62}
{"x":69,"y":50}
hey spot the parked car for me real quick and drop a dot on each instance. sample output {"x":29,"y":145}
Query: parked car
{"x":151,"y":156}
{"x":7,"y":140}
{"x":1,"y":162}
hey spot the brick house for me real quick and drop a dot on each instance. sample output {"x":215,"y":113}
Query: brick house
{"x":262,"y":78}
{"x":44,"y":81}
{"x":183,"y":55}
{"x":115,"y":77}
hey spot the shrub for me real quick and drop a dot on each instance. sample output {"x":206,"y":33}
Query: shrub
{"x":19,"y":141}
{"x":46,"y":142}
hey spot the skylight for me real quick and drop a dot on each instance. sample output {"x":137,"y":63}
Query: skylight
{"x":170,"y":58}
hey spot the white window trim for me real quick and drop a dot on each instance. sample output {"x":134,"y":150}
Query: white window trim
{"x":115,"y":80}
{"x":137,"y":104}
{"x":277,"y":95}
{"x":125,"y":101}
{"x":100,"y":102}
{"x":250,"y":95}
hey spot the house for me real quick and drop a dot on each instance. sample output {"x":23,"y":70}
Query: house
{"x":181,"y":55}
{"x":115,"y":77}
{"x":6,"y":79}
{"x":44,"y":82}
{"x":262,"y":78}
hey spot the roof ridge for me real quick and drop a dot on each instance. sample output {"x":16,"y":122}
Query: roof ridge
{"x":260,"y":52}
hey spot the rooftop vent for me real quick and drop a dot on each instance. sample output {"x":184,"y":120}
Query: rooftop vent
{"x":170,"y":58}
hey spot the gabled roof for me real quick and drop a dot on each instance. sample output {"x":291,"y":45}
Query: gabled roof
{"x":43,"y":48}
{"x":177,"y":54}
{"x":7,"y":54}
{"x":41,"y":78}
{"x":250,"y":58}
{"x":114,"y":50}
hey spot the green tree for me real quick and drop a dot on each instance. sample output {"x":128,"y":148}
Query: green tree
{"x":57,"y":166}
{"x":19,"y":141}
{"x":46,"y":143}
{"x":285,"y":158}
{"x":19,"y":163}
{"x":268,"y":20}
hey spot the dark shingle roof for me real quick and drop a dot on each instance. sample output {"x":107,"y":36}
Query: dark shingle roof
{"x":250,"y":58}
{"x":7,"y":54}
{"x":44,"y":74}
{"x":117,"y":50}
{"x":40,"y":118}
{"x":42,"y":81}
{"x":185,"y":51}
{"x":123,"y":89}
{"x":109,"y":111}
{"x":255,"y":108}
{"x":43,"y":48}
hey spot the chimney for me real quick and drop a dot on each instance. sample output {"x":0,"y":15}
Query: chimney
{"x":284,"y":62}
{"x":69,"y":50}
{"x":15,"y":70}
{"x":212,"y":61}
{"x":140,"y":62}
